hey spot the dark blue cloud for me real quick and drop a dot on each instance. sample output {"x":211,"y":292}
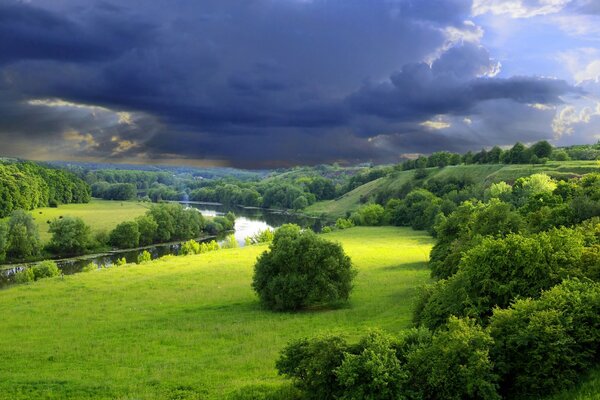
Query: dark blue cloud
{"x":260,"y":82}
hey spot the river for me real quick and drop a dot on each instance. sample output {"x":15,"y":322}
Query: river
{"x":247,"y":223}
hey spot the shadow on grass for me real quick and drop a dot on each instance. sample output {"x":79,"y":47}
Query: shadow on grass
{"x":415,"y":266}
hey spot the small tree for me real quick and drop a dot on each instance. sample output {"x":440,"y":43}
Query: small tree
{"x":23,"y":236}
{"x":302,"y":270}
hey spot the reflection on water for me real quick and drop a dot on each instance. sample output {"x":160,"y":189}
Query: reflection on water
{"x":248,"y":222}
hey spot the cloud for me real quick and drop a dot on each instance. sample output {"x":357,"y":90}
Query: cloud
{"x":261,"y":83}
{"x":519,"y":8}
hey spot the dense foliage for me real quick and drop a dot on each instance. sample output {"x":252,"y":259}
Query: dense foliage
{"x":515,"y":310}
{"x":26,"y":185}
{"x":166,"y":222}
{"x":302,"y":270}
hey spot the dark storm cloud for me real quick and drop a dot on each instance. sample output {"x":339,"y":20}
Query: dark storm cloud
{"x":454,"y":84}
{"x":253,"y":83}
{"x":28,"y":32}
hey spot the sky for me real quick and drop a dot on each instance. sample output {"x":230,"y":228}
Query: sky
{"x":277,"y":83}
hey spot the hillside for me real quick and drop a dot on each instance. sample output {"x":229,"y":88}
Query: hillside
{"x":485,"y":173}
{"x":188,"y":327}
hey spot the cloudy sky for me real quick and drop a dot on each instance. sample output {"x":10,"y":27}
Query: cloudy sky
{"x":265,"y":83}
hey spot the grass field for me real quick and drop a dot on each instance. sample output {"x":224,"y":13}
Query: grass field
{"x":487,"y":173}
{"x":589,"y":389}
{"x":188,"y":327}
{"x":100,"y":215}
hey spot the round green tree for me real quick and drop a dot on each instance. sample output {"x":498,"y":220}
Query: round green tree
{"x":302,"y":270}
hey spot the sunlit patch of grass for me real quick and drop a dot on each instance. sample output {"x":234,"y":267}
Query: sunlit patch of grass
{"x":100,"y":215}
{"x":188,"y":327}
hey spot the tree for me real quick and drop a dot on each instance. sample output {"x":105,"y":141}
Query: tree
{"x":498,"y":270}
{"x":301,"y":270}
{"x":147,"y":228}
{"x":126,"y":235}
{"x":541,"y":149}
{"x":70,"y":236}
{"x":3,"y":240}
{"x":23,"y":236}
{"x":300,"y":203}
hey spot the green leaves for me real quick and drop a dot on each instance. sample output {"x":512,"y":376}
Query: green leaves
{"x":302,"y":270}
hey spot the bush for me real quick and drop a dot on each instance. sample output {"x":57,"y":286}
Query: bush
{"x":326,"y":229}
{"x":190,"y":247}
{"x":343,"y":223}
{"x":45,"y":269}
{"x":89,"y":267}
{"x":372,"y":370}
{"x":302,"y":270}
{"x":312,"y":364}
{"x":368,"y":215}
{"x":543,"y":345}
{"x":25,"y":275}
{"x":455,"y":365}
{"x":144,"y":257}
{"x":230,"y":242}
{"x":120,"y":262}
{"x":263,"y":236}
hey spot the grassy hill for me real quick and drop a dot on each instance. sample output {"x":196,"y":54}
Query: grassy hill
{"x":188,"y":327}
{"x":486,"y":173}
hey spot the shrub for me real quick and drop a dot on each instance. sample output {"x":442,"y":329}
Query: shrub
{"x":300,"y":270}
{"x":25,"y":275}
{"x":120,"y":262}
{"x":372,"y":370}
{"x":144,"y":257}
{"x":263,"y":236}
{"x":369,"y":215}
{"x":189,"y":248}
{"x":344,"y":223}
{"x":455,"y":365}
{"x":326,"y":229}
{"x":312,"y":364}
{"x":230,"y":242}
{"x":89,"y":267}
{"x":542,"y":345}
{"x":45,"y":269}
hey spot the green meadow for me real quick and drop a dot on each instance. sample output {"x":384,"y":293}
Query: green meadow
{"x":188,"y":327}
{"x":100,"y":215}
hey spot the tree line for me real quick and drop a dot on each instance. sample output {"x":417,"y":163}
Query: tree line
{"x":27,"y":185}
{"x":71,"y":236}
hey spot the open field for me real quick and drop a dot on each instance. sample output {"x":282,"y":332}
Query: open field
{"x":188,"y":327}
{"x":100,"y":215}
{"x":486,"y":173}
